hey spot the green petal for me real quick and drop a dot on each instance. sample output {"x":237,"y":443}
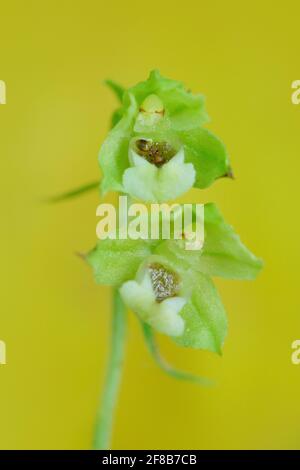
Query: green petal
{"x":116,"y":261}
{"x":204,"y":317}
{"x":183,"y":109}
{"x":223,"y":253}
{"x":208,"y":155}
{"x":113,"y":156}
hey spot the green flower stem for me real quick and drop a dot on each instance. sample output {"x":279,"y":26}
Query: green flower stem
{"x":105,"y":415}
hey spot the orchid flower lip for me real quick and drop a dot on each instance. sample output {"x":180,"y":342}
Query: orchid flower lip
{"x":156,"y":296}
{"x":160,"y":173}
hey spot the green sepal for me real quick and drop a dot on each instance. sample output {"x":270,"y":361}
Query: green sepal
{"x":208,"y":155}
{"x":183,"y":109}
{"x":204,"y":317}
{"x":116,"y":261}
{"x":113,"y":156}
{"x":223,"y":254}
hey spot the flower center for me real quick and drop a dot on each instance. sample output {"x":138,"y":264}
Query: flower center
{"x":165,"y":283}
{"x":157,"y":153}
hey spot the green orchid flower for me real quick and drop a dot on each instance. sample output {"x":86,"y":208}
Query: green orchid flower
{"x":169,"y":287}
{"x":174,"y":153}
{"x":156,"y":151}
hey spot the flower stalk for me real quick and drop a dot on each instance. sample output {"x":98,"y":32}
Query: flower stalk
{"x":106,"y":411}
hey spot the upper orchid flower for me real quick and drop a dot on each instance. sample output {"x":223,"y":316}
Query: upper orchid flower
{"x":178,"y":153}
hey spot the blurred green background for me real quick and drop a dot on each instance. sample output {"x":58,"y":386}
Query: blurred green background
{"x":54,"y":57}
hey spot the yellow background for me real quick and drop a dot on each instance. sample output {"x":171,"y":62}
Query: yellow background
{"x":54,"y":56}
